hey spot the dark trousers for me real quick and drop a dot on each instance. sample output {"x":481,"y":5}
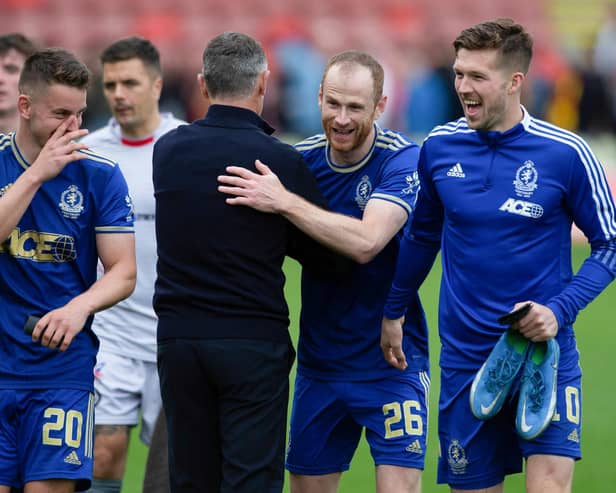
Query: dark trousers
{"x":226,"y":406}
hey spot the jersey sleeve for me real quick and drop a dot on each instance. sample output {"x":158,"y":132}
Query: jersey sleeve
{"x":400,"y":181}
{"x":419,"y":245}
{"x":591,"y":204}
{"x":115,"y":208}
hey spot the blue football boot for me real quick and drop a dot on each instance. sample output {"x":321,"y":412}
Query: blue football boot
{"x":494,"y":379}
{"x":537,"y":402}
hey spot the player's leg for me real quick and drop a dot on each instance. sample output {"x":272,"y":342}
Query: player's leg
{"x":50,"y":486}
{"x":322,"y":439}
{"x":475,"y":455}
{"x":156,"y":478}
{"x":118,"y":385}
{"x":55,"y":440}
{"x":325,"y":483}
{"x":394,"y":412}
{"x":552,"y":455}
{"x":549,"y":474}
{"x":396,"y":478}
{"x":110,"y":453}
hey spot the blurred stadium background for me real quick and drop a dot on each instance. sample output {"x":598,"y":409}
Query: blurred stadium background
{"x":572,"y":83}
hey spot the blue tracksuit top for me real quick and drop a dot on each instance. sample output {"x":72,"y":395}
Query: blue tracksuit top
{"x":500,"y":205}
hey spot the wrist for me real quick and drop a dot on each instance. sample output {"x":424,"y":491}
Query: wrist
{"x":286,"y":205}
{"x":32,"y":177}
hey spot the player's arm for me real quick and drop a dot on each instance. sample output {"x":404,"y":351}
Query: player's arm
{"x":59,"y":150}
{"x":361,"y":239}
{"x":117,"y":254}
{"x":418,"y":249}
{"x":589,"y":199}
{"x":415,"y":259}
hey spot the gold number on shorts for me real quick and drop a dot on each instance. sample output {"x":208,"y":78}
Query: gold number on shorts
{"x":572,"y":401}
{"x":413,"y":424}
{"x":72,"y":431}
{"x":71,"y":422}
{"x":58,"y":423}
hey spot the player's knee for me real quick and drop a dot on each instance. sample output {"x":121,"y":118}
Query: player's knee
{"x":327,"y":483}
{"x":110,"y":450}
{"x":551,"y":474}
{"x":397,"y":479}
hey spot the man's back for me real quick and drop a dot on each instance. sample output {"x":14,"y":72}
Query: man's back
{"x":216,"y":261}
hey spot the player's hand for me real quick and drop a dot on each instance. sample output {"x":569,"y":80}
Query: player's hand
{"x":59,"y":150}
{"x":539,"y":324}
{"x":391,"y":342}
{"x":57,"y":328}
{"x":262,"y":191}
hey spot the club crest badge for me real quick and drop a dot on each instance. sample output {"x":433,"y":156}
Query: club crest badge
{"x":71,"y":202}
{"x":456,"y":457}
{"x":131,"y":209}
{"x":363,"y":192}
{"x":526,"y":179}
{"x":412,"y":184}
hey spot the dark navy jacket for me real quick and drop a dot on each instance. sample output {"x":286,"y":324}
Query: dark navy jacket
{"x":220,"y":266}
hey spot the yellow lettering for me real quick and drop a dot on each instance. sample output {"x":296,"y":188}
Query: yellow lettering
{"x":43,"y":248}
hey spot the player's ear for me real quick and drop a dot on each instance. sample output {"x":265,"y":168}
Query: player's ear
{"x":515,"y":84}
{"x":158,"y":86}
{"x":202,"y":87}
{"x":380,"y":107}
{"x":262,"y":82}
{"x":24,"y":106}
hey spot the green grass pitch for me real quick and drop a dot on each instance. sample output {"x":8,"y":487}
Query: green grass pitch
{"x":596,"y":336}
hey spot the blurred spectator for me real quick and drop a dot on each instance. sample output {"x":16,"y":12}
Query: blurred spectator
{"x":594,"y":105}
{"x":14,"y":49}
{"x":605,"y":53}
{"x":563,"y":109}
{"x":431,"y":97}
{"x":299,"y":67}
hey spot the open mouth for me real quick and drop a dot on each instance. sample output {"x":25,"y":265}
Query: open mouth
{"x":342,"y":133}
{"x":471,"y":106}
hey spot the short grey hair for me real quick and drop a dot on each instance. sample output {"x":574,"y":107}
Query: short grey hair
{"x":231,"y":64}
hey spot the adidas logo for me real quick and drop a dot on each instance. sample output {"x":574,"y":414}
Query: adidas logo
{"x":456,"y":171}
{"x":72,"y":458}
{"x":414,"y":447}
{"x":574,"y":436}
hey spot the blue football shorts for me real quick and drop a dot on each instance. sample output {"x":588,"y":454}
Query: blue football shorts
{"x":328,"y":418}
{"x":46,"y":434}
{"x":478,"y":454}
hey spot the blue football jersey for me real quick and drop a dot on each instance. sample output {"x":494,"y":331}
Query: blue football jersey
{"x":51,"y":257}
{"x":505,"y":203}
{"x":340,"y":323}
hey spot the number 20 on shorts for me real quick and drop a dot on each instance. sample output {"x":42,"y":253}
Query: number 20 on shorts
{"x":71,"y":422}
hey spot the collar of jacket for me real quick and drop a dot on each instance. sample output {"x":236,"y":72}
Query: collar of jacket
{"x":220,"y":115}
